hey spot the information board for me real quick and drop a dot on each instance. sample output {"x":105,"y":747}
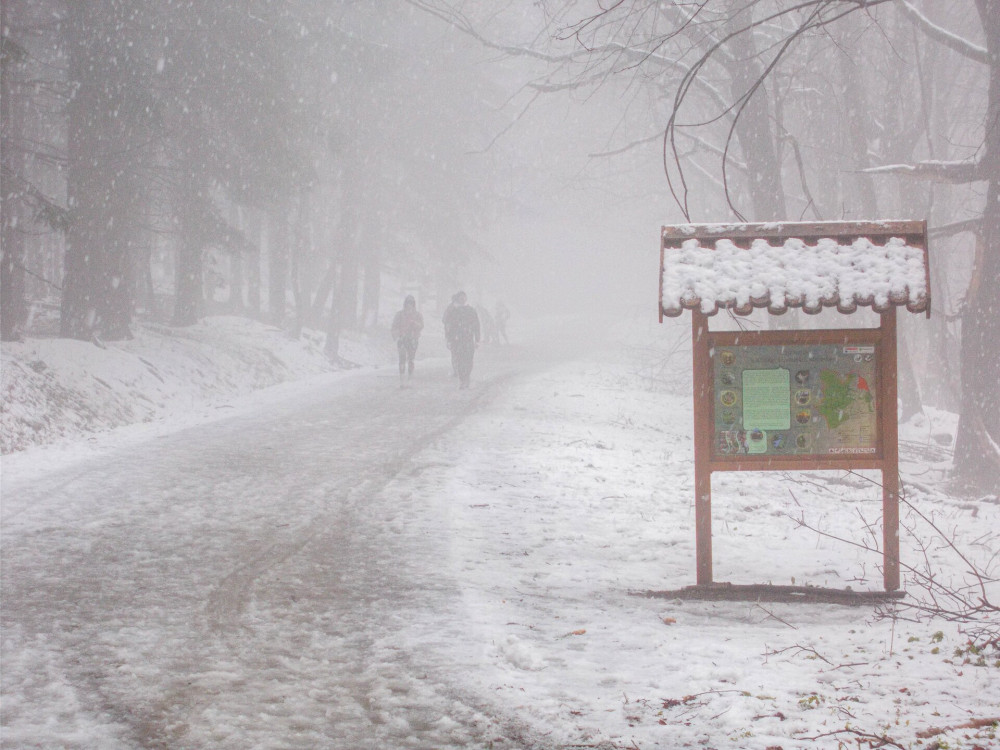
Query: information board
{"x":788,"y":400}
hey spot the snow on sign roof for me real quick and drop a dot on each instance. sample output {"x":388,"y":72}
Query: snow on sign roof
{"x":840,"y":264}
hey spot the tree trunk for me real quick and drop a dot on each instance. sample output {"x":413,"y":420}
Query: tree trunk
{"x":145,"y":294}
{"x":353,"y":192}
{"x":253,"y":230}
{"x":85,"y":189}
{"x":102,"y":190}
{"x":372,"y":289}
{"x":754,"y":129}
{"x":326,"y":285}
{"x":977,"y":447}
{"x":190,"y":298}
{"x":859,"y":124}
{"x":332,"y":345}
{"x":236,"y":283}
{"x":347,"y":289}
{"x":116,"y":307}
{"x":236,"y":276}
{"x":277,"y":253}
{"x":858,"y":117}
{"x":299,"y":293}
{"x":13,"y":309}
{"x":189,"y":272}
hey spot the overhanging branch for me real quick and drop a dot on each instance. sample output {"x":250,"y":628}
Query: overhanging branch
{"x":948,"y":230}
{"x":954,"y":172}
{"x":952,"y":41}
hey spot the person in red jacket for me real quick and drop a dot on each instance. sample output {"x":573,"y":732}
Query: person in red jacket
{"x":406,"y":328}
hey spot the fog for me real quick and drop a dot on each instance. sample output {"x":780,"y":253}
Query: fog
{"x":318,"y":141}
{"x":228,"y":521}
{"x":309,"y":164}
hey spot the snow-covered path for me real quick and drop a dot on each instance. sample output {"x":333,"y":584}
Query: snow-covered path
{"x":239,"y":584}
{"x":352,"y":565}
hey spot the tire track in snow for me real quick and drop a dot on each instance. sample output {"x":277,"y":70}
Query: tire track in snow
{"x":220,"y":586}
{"x":228,"y":601}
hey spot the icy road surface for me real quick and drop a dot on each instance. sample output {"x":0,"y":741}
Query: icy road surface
{"x":241,"y":584}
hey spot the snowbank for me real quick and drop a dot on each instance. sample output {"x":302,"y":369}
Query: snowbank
{"x":61,"y":388}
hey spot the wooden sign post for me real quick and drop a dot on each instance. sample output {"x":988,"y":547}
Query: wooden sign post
{"x":787,"y":400}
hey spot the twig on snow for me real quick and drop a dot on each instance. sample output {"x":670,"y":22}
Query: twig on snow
{"x":974,"y":724}
{"x":773,"y":616}
{"x":798,"y":650}
{"x":882,"y":740}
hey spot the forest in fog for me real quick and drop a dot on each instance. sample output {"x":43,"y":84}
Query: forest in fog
{"x":165,"y":160}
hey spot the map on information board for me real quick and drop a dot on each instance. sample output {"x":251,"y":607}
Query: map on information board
{"x":810,"y":400}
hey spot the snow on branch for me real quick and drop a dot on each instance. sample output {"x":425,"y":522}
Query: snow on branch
{"x":953,"y":41}
{"x":956,"y":227}
{"x":955,"y":172}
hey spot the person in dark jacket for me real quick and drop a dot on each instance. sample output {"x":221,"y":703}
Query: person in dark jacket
{"x":461,"y":326}
{"x":406,"y":328}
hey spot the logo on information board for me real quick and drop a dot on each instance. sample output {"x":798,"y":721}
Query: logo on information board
{"x":860,"y":353}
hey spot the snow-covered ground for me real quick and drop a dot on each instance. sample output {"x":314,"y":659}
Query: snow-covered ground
{"x":477,"y":581}
{"x":60,"y":388}
{"x":580,"y":495}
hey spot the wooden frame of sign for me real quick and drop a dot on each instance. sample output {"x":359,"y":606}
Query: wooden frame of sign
{"x":772,"y":372}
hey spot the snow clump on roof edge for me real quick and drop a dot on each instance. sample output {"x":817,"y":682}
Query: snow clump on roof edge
{"x":793,"y":274}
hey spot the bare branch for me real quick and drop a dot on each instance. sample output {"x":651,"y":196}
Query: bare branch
{"x":948,"y":230}
{"x":817,"y":18}
{"x":576,"y":83}
{"x":954,"y":172}
{"x":698,"y":141}
{"x":871,"y":739}
{"x":948,"y":39}
{"x":628,"y":146}
{"x":967,"y":602}
{"x":972,"y":724}
{"x":811,"y":202}
{"x":510,"y":125}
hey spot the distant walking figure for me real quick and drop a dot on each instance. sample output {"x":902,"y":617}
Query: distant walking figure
{"x":406,"y":328}
{"x":446,"y":320}
{"x":501,"y":317}
{"x":461,"y":325}
{"x":487,"y":325}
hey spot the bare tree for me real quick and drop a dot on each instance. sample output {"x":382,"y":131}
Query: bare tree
{"x":977,"y":449}
{"x":12,"y":179}
{"x":716,"y":65}
{"x":108,"y":124}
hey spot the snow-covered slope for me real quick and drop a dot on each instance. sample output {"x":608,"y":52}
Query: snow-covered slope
{"x":54,"y":389}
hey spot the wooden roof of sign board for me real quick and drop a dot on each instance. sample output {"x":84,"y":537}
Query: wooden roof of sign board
{"x":781,"y":265}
